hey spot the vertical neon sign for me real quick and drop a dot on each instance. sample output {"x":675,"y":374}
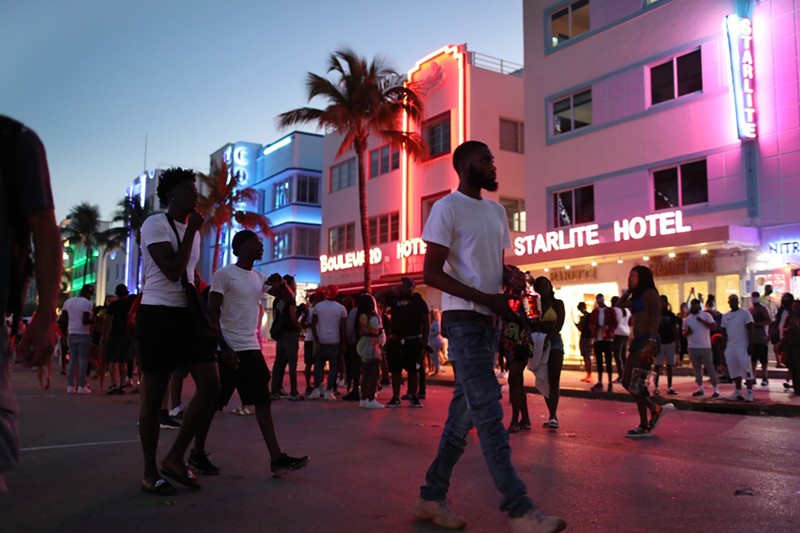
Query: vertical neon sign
{"x":740,"y":46}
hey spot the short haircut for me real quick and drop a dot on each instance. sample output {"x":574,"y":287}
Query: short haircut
{"x":169,"y":179}
{"x":466,"y":149}
{"x":754,"y":295}
{"x":240,"y":238}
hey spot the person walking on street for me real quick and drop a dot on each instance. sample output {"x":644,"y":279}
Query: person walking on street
{"x":78,"y":314}
{"x":603,"y":323}
{"x":737,"y":345}
{"x":236,"y":292}
{"x":465,"y":236}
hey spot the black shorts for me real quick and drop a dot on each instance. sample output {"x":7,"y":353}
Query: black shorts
{"x":404,"y":354}
{"x":119,"y":349}
{"x":167,"y":339}
{"x":251,"y":378}
{"x":760,"y":354}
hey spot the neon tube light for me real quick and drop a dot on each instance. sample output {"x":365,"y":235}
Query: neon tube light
{"x":740,"y":47}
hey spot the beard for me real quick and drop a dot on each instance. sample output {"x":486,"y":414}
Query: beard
{"x":476,"y":178}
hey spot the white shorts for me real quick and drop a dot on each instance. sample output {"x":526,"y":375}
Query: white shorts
{"x":738,"y":361}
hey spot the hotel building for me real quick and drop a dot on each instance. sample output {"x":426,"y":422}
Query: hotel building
{"x":663,"y":133}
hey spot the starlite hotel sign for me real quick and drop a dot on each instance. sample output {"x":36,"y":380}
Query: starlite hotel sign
{"x":740,"y":47}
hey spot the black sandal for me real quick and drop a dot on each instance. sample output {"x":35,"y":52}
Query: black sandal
{"x":161,"y":487}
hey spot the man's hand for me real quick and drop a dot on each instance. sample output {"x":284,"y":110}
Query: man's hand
{"x":498,"y":303}
{"x":229,"y":357}
{"x":514,"y":278}
{"x":194,"y":222}
{"x":39,"y":341}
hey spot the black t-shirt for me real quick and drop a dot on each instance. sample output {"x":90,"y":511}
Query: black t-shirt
{"x":118,"y":311}
{"x":407,"y":315}
{"x":666,"y":327}
{"x":583,"y":326}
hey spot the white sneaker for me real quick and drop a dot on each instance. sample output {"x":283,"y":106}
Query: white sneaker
{"x":748,"y":397}
{"x":374,"y":404}
{"x":439,"y":513}
{"x":537,"y":522}
{"x":176,"y":411}
{"x":71,"y":390}
{"x":84,"y":390}
{"x":329,"y":395}
{"x":315,"y":395}
{"x":735,"y":397}
{"x":362,"y":403}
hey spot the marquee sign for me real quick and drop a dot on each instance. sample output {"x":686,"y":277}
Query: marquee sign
{"x":740,"y":47}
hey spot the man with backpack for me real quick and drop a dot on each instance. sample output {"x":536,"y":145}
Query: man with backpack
{"x":26,"y":211}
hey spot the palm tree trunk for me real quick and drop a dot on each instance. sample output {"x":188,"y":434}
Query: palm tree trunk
{"x":360,"y":148}
{"x":216,"y":250}
{"x":86,"y":264}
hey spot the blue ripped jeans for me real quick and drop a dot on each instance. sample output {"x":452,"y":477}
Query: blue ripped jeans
{"x":476,"y":402}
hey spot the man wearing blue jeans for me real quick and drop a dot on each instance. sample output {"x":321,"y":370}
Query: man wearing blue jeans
{"x":78,"y":311}
{"x":465,"y":236}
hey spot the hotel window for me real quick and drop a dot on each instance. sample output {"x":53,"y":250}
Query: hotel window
{"x":306,"y":243}
{"x":281,"y":244}
{"x":426,"y":204}
{"x":282,"y":193}
{"x":515,"y":211}
{"x":437,"y":135}
{"x":682,"y":185}
{"x":342,"y":238}
{"x":384,"y":228}
{"x":383,"y":160}
{"x":307,"y":190}
{"x":569,"y":22}
{"x":512,"y":136}
{"x":343,"y":175}
{"x":575,"y":206}
{"x":687,"y":69}
{"x":572,"y":112}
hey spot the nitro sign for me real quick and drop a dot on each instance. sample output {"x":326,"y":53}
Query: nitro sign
{"x":740,"y":46}
{"x":634,"y":228}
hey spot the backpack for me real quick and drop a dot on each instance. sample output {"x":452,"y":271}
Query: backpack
{"x":20,"y":265}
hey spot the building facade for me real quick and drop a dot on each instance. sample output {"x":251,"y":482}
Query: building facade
{"x":664,"y":133}
{"x":467,"y":96}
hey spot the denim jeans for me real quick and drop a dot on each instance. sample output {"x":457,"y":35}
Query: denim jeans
{"x":9,"y":432}
{"x":329,"y":353}
{"x":286,"y":349}
{"x":476,"y":401}
{"x":80,"y":346}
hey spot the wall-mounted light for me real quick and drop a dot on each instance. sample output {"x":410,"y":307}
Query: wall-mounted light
{"x":567,"y":267}
{"x":646,"y":258}
{"x":703,"y":251}
{"x":594,"y":263}
{"x":672,"y":255}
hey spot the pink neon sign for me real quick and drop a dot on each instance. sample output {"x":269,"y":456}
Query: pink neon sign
{"x":740,"y":45}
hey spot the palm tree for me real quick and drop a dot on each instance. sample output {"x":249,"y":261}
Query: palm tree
{"x":363,"y":98}
{"x":83,"y":230}
{"x":220,"y":203}
{"x":132,"y":215}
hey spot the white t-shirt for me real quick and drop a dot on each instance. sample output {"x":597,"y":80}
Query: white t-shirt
{"x":241,"y":292}
{"x":75,"y":307}
{"x":700,"y":337}
{"x":158,"y":290}
{"x":475,"y":232}
{"x":329,"y":315}
{"x":735,"y":324}
{"x":623,"y":327}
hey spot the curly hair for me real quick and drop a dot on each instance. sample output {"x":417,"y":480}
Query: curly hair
{"x":169,"y":178}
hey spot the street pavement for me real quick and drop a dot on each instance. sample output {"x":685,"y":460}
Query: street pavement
{"x":81,"y":465}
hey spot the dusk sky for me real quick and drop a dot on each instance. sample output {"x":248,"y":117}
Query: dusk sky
{"x":93,"y":77}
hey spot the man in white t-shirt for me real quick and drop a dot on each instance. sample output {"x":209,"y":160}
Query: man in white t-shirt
{"x":465,"y":236}
{"x":328,"y":325}
{"x":236,"y":292}
{"x":78,"y":312}
{"x":697,"y":328}
{"x":737,"y":335}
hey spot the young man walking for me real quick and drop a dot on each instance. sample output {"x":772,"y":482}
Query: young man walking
{"x":466,"y":234}
{"x":78,"y":312}
{"x":236,"y":291}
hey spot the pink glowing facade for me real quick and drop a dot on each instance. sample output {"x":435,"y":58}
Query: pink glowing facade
{"x":635,"y":109}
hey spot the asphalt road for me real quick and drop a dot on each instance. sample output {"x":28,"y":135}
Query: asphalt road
{"x":81,"y":466}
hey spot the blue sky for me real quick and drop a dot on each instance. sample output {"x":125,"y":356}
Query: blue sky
{"x":93,"y":77}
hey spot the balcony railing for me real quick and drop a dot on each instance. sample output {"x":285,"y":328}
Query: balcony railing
{"x":495,"y":64}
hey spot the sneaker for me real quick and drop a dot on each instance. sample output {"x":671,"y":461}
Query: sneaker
{"x":415,"y":402}
{"x":84,"y":390}
{"x":639,"y":433}
{"x":275,"y":396}
{"x":656,"y":392}
{"x":535,"y":521}
{"x":597,"y":387}
{"x":375,"y":404}
{"x":715,"y":395}
{"x":71,"y":390}
{"x":286,"y":463}
{"x":112,"y":390}
{"x":176,"y":412}
{"x":422,"y":395}
{"x":787,"y":385}
{"x":168,"y":422}
{"x":748,"y":397}
{"x":199,"y":463}
{"x":439,"y":512}
{"x":294,"y":397}
{"x":735,"y":397}
{"x":315,"y":395}
{"x":672,"y":392}
{"x":394,"y":402}
{"x":284,"y":394}
{"x":362,"y":404}
{"x":330,"y":395}
{"x":765,"y":383}
{"x":405,"y":396}
{"x":698,"y":393}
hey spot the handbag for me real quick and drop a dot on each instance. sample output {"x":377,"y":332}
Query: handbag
{"x":206,"y":328}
